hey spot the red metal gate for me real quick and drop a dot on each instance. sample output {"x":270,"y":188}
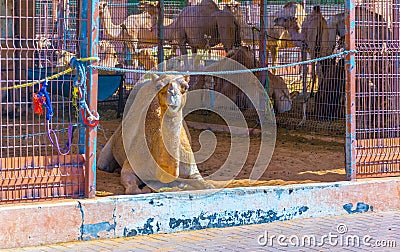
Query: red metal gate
{"x":373,"y":124}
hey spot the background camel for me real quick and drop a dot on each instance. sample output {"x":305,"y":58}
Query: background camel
{"x":145,"y":57}
{"x":278,"y":90}
{"x":108,"y":54}
{"x":312,"y":36}
{"x":129,"y":30}
{"x":277,"y":37}
{"x":193,"y":22}
{"x":157,"y":124}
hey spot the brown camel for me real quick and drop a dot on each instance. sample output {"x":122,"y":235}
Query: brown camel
{"x":364,"y":31}
{"x":155,"y":138}
{"x":312,"y":36}
{"x":277,"y":37}
{"x":194,"y":22}
{"x":278,"y":90}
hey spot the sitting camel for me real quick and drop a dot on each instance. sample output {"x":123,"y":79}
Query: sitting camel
{"x":312,"y":36}
{"x":277,"y":37}
{"x":155,"y":139}
{"x":278,"y":90}
{"x":144,"y":56}
{"x":108,"y":54}
{"x":194,"y":22}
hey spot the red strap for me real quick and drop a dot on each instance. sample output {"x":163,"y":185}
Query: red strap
{"x":86,"y":122}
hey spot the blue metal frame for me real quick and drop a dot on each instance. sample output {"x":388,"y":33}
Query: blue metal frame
{"x":88,"y":36}
{"x":350,"y":92}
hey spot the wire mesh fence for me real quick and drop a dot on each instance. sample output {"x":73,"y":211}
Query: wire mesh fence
{"x":40,"y":38}
{"x":377,"y":94}
{"x":41,"y":144}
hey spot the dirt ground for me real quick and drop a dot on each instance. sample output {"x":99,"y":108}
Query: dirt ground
{"x":298,"y":158}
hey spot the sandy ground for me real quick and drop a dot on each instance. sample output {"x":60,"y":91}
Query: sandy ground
{"x":298,"y":158}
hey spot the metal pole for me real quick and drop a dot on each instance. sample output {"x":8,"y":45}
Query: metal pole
{"x":89,"y":37}
{"x":160,"y":49}
{"x":351,"y":140}
{"x":263,"y":43}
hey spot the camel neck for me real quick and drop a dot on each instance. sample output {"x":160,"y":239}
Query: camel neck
{"x":109,"y":27}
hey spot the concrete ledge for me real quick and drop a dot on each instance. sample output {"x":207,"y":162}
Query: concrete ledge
{"x":122,"y":216}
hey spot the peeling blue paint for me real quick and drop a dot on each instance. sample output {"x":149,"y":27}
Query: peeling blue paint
{"x":147,"y":229}
{"x":234,"y":218}
{"x":82,"y":217}
{"x":92,"y":230}
{"x":279,"y":193}
{"x":360,"y":208}
{"x":151,"y":202}
{"x":130,"y":232}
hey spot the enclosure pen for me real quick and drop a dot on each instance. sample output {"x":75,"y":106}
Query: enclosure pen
{"x":42,"y":152}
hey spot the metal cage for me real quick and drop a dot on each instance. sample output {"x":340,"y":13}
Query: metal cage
{"x":44,"y":146}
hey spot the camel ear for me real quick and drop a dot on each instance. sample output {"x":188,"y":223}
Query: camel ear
{"x":154,"y":77}
{"x":186,"y":78}
{"x":294,"y":94}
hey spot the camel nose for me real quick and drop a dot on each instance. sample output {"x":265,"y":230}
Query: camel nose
{"x":171,"y":90}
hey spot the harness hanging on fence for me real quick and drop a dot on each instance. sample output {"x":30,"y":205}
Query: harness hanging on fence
{"x":40,"y":99}
{"x":90,"y":118}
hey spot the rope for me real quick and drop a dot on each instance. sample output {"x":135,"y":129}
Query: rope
{"x":93,"y":117}
{"x":37,"y":134}
{"x":223,"y":72}
{"x":52,"y":77}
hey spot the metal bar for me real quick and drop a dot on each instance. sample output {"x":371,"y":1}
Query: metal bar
{"x":350,"y":92}
{"x":160,"y":49}
{"x":89,"y":42}
{"x":263,"y":42}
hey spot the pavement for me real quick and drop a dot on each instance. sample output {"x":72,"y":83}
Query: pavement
{"x":352,"y":232}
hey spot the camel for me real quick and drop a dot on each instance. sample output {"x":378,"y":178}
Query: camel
{"x":278,"y":90}
{"x":277,"y":37}
{"x":130,"y":30}
{"x":312,"y":36}
{"x":152,"y":9}
{"x":159,"y":124}
{"x":144,"y":56}
{"x":64,"y":57}
{"x":337,"y":26}
{"x":107,"y":49}
{"x":194,"y":22}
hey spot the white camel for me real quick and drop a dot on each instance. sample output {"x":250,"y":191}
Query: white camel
{"x":108,"y":54}
{"x":129,"y":30}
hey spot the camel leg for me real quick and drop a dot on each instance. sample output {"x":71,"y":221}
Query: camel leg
{"x":106,"y":161}
{"x":274,"y":56}
{"x":131,"y":182}
{"x":314,"y":79}
{"x":187,"y":166}
{"x":305,"y":95}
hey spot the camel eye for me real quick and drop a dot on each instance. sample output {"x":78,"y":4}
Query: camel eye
{"x":184,"y":87}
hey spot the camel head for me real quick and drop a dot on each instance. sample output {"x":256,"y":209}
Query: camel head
{"x":287,"y":22}
{"x":172,"y":91}
{"x":150,"y":7}
{"x":102,"y":7}
{"x":290,"y":11}
{"x":42,"y":42}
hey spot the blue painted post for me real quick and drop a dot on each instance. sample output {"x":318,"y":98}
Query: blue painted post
{"x":160,"y":49}
{"x":89,"y":28}
{"x":263,"y":43}
{"x":351,"y":140}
